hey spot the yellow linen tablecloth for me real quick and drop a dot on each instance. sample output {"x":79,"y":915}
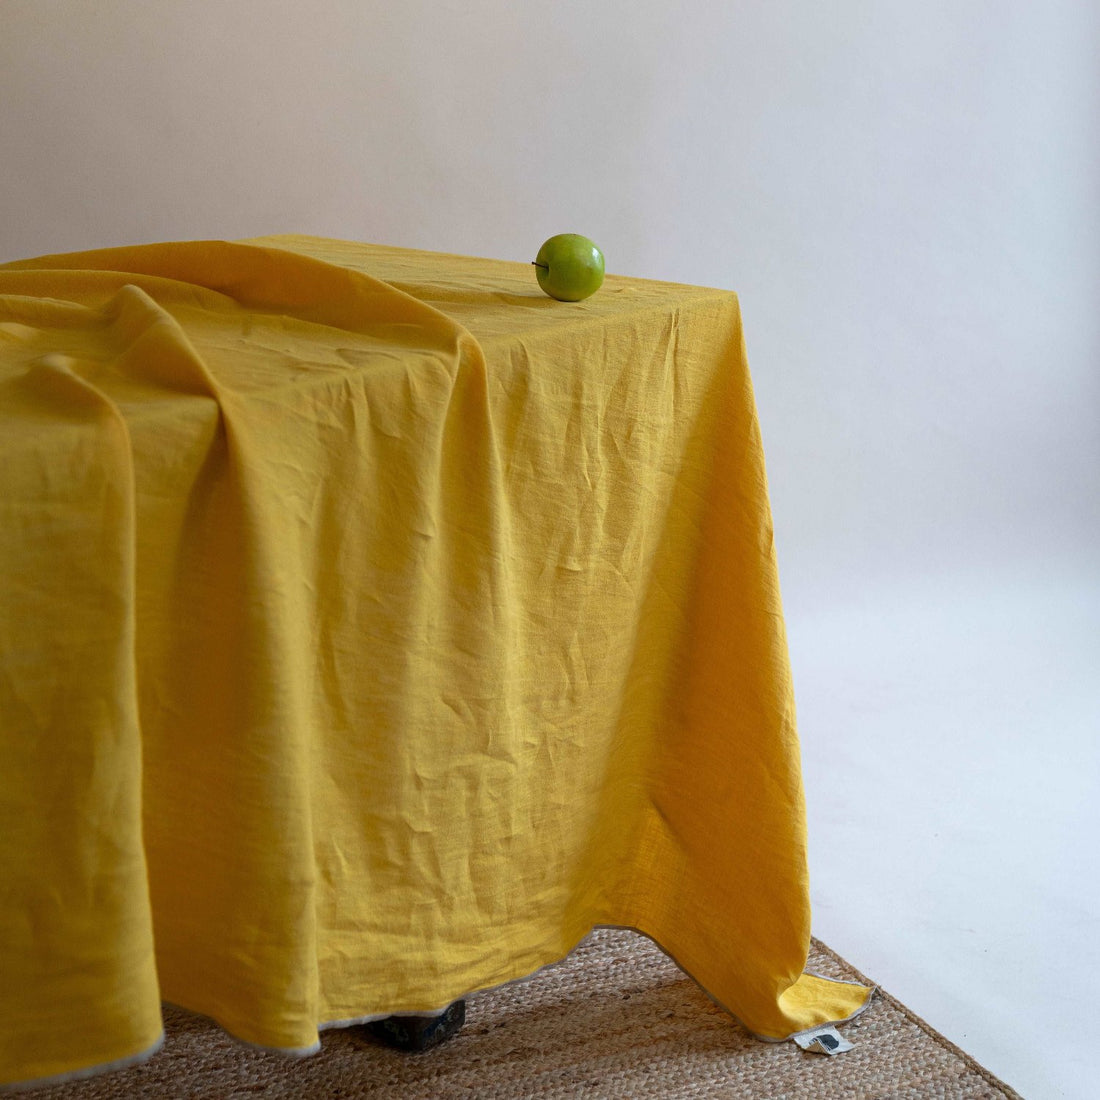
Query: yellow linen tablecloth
{"x":373,"y":627}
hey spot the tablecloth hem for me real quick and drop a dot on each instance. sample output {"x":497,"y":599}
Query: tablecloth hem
{"x":360,"y":1020}
{"x":84,"y":1072}
{"x":729,"y":1012}
{"x":871,"y":991}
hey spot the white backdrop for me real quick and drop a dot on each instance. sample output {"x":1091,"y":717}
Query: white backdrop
{"x":906,"y":197}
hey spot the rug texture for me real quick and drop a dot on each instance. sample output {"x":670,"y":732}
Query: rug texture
{"x":617,"y":1018}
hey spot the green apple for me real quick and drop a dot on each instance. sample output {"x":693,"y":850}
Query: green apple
{"x":569,"y":267}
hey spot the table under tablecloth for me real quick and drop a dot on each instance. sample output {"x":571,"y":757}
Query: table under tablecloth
{"x":373,"y":627}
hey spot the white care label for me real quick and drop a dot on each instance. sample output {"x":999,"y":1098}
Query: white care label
{"x":822,"y":1040}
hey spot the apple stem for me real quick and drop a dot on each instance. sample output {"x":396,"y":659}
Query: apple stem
{"x":545,"y":267}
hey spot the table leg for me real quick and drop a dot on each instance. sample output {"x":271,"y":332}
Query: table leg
{"x":415,"y":1034}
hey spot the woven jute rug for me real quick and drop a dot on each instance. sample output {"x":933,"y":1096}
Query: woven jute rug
{"x":615,"y":1019}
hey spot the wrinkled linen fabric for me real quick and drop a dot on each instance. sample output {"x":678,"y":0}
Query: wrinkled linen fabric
{"x":374,"y":627}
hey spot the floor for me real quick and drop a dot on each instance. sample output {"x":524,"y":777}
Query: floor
{"x":951,"y":747}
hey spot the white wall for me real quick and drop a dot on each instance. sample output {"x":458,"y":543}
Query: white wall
{"x":905,"y":197}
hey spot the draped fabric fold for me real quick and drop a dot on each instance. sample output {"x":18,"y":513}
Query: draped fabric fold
{"x":373,"y":628}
